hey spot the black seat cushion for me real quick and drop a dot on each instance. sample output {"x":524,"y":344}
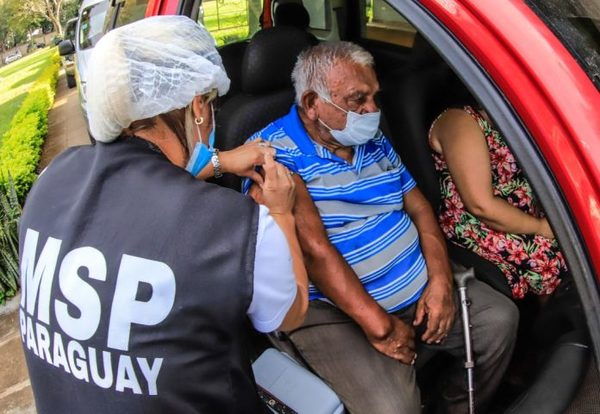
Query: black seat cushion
{"x":232,"y":56}
{"x":270,"y":57}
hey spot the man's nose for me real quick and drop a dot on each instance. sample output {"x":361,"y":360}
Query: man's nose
{"x":370,"y":105}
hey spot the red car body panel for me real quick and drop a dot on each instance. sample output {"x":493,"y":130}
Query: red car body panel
{"x":553,"y":96}
{"x":162,"y":7}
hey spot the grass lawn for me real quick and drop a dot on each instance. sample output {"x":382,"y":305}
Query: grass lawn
{"x":15,"y":81}
{"x":226,"y":20}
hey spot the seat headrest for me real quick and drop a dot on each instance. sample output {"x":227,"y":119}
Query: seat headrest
{"x":291,"y":14}
{"x":270,"y":58}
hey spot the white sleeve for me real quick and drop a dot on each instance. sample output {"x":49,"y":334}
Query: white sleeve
{"x":274,"y":280}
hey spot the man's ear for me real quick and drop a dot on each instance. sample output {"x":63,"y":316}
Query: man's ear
{"x":309,"y":104}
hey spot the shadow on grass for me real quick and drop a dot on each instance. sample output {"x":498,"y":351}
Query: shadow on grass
{"x":34,"y":58}
{"x":8,"y":110}
{"x":34,"y":70}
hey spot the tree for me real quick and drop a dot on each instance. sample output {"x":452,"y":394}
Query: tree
{"x":13,"y":29}
{"x":47,"y":9}
{"x":70,"y":9}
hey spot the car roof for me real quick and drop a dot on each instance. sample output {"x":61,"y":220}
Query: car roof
{"x":88,"y":3}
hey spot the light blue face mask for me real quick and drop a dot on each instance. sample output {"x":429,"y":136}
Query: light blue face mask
{"x":202,"y":154}
{"x":360,"y":128}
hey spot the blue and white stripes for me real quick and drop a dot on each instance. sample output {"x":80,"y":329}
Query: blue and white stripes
{"x":361,"y":205}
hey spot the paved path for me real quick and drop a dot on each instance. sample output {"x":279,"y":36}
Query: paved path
{"x":15,"y":389}
{"x":65,"y":128}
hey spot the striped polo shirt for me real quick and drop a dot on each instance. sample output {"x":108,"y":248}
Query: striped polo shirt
{"x":361,"y":205}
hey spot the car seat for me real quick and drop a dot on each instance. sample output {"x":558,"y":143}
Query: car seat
{"x":266,"y":88}
{"x":291,"y":14}
{"x":295,"y":15}
{"x":232,"y":56}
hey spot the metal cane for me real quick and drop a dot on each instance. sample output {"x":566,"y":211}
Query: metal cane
{"x":461,"y":279}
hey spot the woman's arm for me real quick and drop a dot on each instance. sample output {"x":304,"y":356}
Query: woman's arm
{"x":277,"y":192}
{"x":459,"y":138}
{"x":241,"y":161}
{"x":297,"y":312}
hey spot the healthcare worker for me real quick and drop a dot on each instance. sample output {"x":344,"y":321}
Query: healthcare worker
{"x":138,"y":279}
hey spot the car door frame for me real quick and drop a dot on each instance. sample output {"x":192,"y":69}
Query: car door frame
{"x":580,"y":259}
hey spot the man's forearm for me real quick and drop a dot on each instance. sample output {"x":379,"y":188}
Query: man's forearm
{"x":337,"y":281}
{"x":436,"y":257}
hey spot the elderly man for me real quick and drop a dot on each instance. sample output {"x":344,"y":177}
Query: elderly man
{"x":381,"y":281}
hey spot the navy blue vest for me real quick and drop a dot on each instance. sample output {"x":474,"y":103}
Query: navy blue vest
{"x":136,"y":279}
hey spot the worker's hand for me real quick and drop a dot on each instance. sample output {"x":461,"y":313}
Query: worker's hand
{"x":398,"y":342}
{"x":243,"y":160}
{"x":277,"y":189}
{"x":437,"y":302}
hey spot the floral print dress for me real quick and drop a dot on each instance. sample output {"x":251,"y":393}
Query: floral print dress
{"x":531,"y":263}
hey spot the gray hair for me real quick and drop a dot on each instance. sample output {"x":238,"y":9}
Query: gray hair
{"x":314,"y":64}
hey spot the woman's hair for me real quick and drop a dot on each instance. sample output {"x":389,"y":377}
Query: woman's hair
{"x":314,"y":65}
{"x":179,"y":121}
{"x":174,"y":120}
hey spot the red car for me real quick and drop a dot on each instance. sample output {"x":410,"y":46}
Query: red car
{"x":534,"y":65}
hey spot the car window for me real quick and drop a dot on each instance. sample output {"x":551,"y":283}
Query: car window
{"x":317,"y":10}
{"x":577,"y":24}
{"x":70,"y":29}
{"x":230,"y":21}
{"x":90,"y":24}
{"x":130,"y":11}
{"x":383,"y":23}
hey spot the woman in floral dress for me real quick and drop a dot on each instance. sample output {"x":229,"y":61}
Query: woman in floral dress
{"x":488,"y":205}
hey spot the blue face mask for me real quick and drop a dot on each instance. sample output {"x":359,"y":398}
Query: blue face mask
{"x":359,"y":129}
{"x":202,"y":154}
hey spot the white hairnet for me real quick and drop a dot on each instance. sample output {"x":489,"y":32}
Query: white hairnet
{"x":148,"y":68}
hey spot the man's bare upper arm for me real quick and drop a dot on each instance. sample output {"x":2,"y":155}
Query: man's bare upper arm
{"x":311,"y":232}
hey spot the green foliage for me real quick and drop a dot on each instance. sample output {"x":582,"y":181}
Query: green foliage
{"x":69,"y":10}
{"x":20,"y":151}
{"x":17,"y":80}
{"x":13,"y":29}
{"x":10,"y":211}
{"x":21,"y":145}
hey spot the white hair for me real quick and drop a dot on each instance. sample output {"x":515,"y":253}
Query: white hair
{"x":314,"y":65}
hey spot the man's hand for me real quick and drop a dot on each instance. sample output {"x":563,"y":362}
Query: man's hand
{"x":437,"y":302}
{"x":398,"y":342}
